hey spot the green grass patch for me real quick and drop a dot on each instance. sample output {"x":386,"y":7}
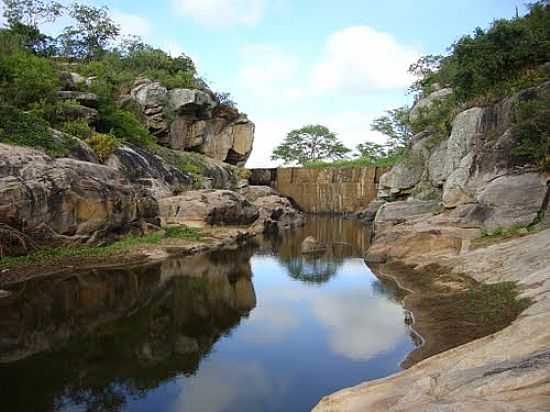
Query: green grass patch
{"x":90,"y":251}
{"x":349,"y":163}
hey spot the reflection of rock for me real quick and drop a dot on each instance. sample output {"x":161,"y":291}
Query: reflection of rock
{"x":310,"y":245}
{"x":137,"y":327}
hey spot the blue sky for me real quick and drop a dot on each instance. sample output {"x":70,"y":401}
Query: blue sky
{"x":288,"y":63}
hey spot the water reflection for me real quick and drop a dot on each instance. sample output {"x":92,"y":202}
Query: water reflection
{"x":231,"y":331}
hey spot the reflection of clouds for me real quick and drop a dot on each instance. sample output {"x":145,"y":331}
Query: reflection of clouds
{"x":360,"y":326}
{"x":270,"y":323}
{"x":221,"y":386}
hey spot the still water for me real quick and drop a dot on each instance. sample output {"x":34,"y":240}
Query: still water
{"x":259,"y":329}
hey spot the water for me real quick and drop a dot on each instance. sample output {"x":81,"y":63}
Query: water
{"x":260,"y":329}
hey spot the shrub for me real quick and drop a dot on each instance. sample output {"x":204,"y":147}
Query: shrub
{"x":125,"y":126}
{"x":26,"y":79}
{"x":28,"y":129}
{"x":78,"y":128}
{"x":103,"y":145}
{"x":532,"y":126}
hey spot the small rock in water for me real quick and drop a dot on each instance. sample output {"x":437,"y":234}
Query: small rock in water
{"x":312,"y":245}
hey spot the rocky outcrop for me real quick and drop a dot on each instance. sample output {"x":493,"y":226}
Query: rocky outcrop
{"x":193,"y":120}
{"x":427,"y":102}
{"x":208,"y":207}
{"x":67,"y":199}
{"x":474,"y":171}
{"x":276,"y":212}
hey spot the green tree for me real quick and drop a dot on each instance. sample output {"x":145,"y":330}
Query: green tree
{"x":31,"y":12}
{"x":310,"y":143}
{"x":371,"y":151}
{"x":92,"y":34}
{"x":395,"y":125}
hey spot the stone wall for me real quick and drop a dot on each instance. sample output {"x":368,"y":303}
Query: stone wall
{"x":327,"y":190}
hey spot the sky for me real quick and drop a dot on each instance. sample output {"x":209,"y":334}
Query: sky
{"x":289,"y":63}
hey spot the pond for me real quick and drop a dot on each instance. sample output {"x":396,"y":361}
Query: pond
{"x":263,"y":328}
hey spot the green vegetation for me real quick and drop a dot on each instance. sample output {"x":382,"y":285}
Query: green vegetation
{"x":309,"y":144}
{"x":103,"y":145}
{"x":385,"y":161}
{"x":120,"y":246}
{"x":532,"y":126}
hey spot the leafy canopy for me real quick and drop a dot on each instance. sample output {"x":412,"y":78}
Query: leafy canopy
{"x":310,"y":143}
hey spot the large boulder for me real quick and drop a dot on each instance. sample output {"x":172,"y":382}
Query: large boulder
{"x":208,"y":207}
{"x":393,"y":213}
{"x":276,"y":212}
{"x":192,"y":120}
{"x":67,"y":199}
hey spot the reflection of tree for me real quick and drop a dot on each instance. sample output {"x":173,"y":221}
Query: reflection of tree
{"x":318,"y":269}
{"x":115,"y":339}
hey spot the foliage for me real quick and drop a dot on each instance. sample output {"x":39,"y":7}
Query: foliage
{"x":31,"y":12}
{"x":28,"y":129}
{"x":25,"y":78}
{"x":183,"y":232}
{"x":310,"y":143}
{"x":371,"y":150}
{"x":125,"y":126}
{"x":225,"y":99}
{"x":103,"y":145}
{"x":385,"y":161}
{"x":532,"y":126}
{"x":491,"y":62}
{"x":93,"y":32}
{"x":437,"y":118}
{"x":78,"y":128}
{"x":395,"y":126}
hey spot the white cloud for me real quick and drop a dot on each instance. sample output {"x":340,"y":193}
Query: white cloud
{"x":359,"y":60}
{"x":267,"y":71}
{"x":218,"y":14}
{"x":132,"y":24}
{"x":357,"y":333}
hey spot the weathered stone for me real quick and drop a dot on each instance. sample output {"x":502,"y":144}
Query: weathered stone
{"x":208,"y":207}
{"x":77,"y":148}
{"x":149,"y":171}
{"x":190,"y":101}
{"x":426,"y":103}
{"x":310,"y":245}
{"x":393,"y":213}
{"x":277,"y":213}
{"x":454,"y":189}
{"x":437,"y":170}
{"x":149,"y":94}
{"x":513,"y":200}
{"x":369,"y":214}
{"x":80,"y":201}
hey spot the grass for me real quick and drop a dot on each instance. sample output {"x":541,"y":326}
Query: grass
{"x":90,"y":251}
{"x":348,"y":163}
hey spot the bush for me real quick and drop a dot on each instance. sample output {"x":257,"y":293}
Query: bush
{"x":532,"y":126}
{"x":78,"y":128}
{"x":26,"y":79}
{"x":103,"y":145}
{"x":28,"y":129}
{"x":125,"y":126}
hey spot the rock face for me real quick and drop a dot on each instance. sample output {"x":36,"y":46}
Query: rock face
{"x":427,"y":102}
{"x":208,"y":207}
{"x":473,"y":172}
{"x":68,"y":199}
{"x":277,"y":213}
{"x":193,"y":120}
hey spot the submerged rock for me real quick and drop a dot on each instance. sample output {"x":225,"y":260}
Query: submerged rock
{"x":310,"y":245}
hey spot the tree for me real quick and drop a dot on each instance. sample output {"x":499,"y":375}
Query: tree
{"x":31,"y":12}
{"x":310,"y":143}
{"x":371,"y":151}
{"x":395,"y":125}
{"x":92,"y":34}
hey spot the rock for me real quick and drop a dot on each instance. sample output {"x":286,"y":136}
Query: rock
{"x":84,"y":98}
{"x":53,"y":199}
{"x":263,"y":177}
{"x":512,"y":200}
{"x":398,"y":212}
{"x":149,"y":171}
{"x":454,"y":189}
{"x":71,"y":80}
{"x":78,"y":149}
{"x":369,"y":214}
{"x":437,"y":171}
{"x":427,"y":102}
{"x":187,"y":101}
{"x":310,"y":245}
{"x":208,"y":207}
{"x":149,"y":93}
{"x":277,"y":213}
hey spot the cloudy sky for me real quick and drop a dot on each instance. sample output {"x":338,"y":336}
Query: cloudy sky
{"x":288,"y":63}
